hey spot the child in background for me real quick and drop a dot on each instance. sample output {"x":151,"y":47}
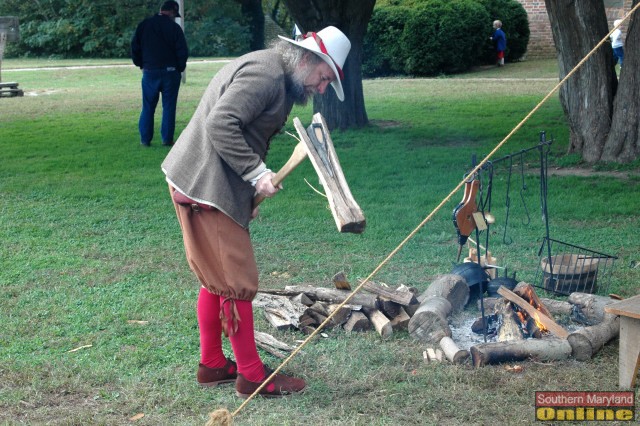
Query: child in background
{"x":500,"y":41}
{"x":616,"y":43}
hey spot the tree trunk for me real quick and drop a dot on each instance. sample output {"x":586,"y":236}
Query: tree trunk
{"x":623,"y":143}
{"x":252,"y":11}
{"x":587,"y":97}
{"x":351,"y":17}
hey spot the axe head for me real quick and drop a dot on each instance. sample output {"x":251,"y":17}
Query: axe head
{"x":317,"y":140}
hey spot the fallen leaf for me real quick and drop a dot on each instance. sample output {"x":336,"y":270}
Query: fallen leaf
{"x":514,"y":369}
{"x":137,"y":417}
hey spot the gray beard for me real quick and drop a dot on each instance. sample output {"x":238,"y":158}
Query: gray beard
{"x":296,"y":88}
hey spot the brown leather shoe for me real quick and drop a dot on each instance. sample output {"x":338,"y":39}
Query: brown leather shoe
{"x":217,"y":376}
{"x":279,"y":386}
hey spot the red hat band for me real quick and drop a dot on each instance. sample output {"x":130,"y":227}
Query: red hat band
{"x":323,"y":49}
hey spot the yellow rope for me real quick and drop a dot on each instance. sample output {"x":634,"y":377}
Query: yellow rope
{"x":428,"y":218}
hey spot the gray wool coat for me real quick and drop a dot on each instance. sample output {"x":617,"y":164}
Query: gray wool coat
{"x":224,"y":145}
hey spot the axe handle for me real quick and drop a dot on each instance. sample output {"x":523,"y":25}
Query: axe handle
{"x":298,"y":156}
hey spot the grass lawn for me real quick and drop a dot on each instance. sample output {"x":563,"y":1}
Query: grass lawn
{"x":92,"y":256}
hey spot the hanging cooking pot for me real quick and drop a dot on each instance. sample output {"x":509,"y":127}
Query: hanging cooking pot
{"x":495,"y":284}
{"x":475,"y":276}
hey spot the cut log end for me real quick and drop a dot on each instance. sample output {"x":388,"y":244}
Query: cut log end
{"x":353,"y":227}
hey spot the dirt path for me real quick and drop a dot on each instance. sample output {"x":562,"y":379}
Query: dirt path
{"x":80,"y":67}
{"x":576,"y":171}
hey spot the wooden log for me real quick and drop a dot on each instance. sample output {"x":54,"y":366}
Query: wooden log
{"x":390,"y":308}
{"x":452,"y":287}
{"x":308,"y":329}
{"x":429,"y":323}
{"x":401,"y":321}
{"x":358,"y":321}
{"x":271,"y":344}
{"x":306,"y":320}
{"x":557,"y":307}
{"x":379,"y":321}
{"x":345,"y":210}
{"x":318,"y":317}
{"x":278,"y":292}
{"x":509,"y":328}
{"x":549,"y":349}
{"x":403,"y":288}
{"x":334,"y":295}
{"x":320,"y":308}
{"x":589,"y":307}
{"x":452,"y":352}
{"x":411,"y":308}
{"x":340,"y":281}
{"x":549,"y":323}
{"x":277,"y":321}
{"x":302,"y":299}
{"x":341,"y":316}
{"x":527,"y":292}
{"x":401,"y":297}
{"x":586,"y":342}
{"x":431,"y":353}
{"x":280,"y":311}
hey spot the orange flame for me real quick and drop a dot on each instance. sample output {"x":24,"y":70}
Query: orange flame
{"x":540,"y":326}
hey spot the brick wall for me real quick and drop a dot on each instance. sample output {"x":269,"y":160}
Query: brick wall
{"x":541,"y":41}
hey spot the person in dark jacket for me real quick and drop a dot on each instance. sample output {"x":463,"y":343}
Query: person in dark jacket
{"x":160,"y":49}
{"x":215,"y":170}
{"x":499,"y":41}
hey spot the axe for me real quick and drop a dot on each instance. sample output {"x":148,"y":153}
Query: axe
{"x":298,"y":156}
{"x":316,"y":144}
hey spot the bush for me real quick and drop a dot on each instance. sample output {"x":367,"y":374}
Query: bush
{"x":382,"y":51}
{"x":90,"y":29}
{"x":444,"y":37}
{"x":217,"y":37}
{"x":515,"y":25}
{"x":431,"y":37}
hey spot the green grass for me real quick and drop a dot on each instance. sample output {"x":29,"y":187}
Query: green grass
{"x":90,"y":242}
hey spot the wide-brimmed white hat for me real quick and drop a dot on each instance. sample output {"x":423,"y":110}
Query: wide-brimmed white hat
{"x":332,"y":46}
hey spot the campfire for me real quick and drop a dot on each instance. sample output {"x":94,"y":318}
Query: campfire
{"x":517,"y":325}
{"x":510,"y":321}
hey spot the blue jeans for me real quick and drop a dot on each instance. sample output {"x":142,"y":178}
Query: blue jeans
{"x":155,"y":82}
{"x":618,"y":55}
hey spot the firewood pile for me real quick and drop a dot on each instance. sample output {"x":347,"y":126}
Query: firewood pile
{"x":521,"y":325}
{"x":305,"y":307}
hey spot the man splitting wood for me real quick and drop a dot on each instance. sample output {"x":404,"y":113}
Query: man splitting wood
{"x":215,"y":169}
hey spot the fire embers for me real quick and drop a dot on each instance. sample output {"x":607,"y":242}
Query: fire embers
{"x":510,"y":322}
